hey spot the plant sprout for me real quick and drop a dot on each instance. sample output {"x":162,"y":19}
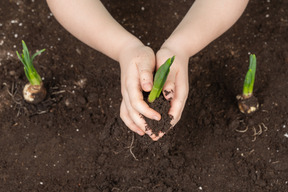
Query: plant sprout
{"x":250,"y":77}
{"x":30,"y":72}
{"x":34,"y":91}
{"x":159,"y":79}
{"x":247,"y":102}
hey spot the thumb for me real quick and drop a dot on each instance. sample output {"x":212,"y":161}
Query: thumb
{"x":146,"y":68}
{"x":169,"y":86}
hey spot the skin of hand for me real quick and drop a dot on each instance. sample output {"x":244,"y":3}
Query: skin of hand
{"x":176,"y":87}
{"x":205,"y":21}
{"x":137,"y":63}
{"x":90,"y":22}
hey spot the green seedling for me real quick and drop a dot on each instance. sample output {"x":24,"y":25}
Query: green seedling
{"x":247,"y":102}
{"x":30,"y":71}
{"x":159,"y":79}
{"x":250,"y":77}
{"x":34,"y":91}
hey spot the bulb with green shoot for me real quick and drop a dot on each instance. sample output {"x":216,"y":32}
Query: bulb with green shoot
{"x":247,"y":102}
{"x":34,"y":91}
{"x":159,"y":79}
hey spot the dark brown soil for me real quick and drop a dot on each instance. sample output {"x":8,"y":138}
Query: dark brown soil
{"x":75,"y":140}
{"x":164,"y":125}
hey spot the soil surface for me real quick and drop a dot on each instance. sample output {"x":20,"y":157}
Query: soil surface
{"x":76,"y":141}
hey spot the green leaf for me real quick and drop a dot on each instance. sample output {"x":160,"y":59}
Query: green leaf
{"x":20,"y":58}
{"x":27,"y":74}
{"x":250,"y":77}
{"x":26,"y":55}
{"x":38,"y":53}
{"x":160,"y":79}
{"x":30,"y":72}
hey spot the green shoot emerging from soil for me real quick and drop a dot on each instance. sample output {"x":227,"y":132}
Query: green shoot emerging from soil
{"x":247,"y":102}
{"x":250,"y":77}
{"x":30,"y":72}
{"x":159,"y":79}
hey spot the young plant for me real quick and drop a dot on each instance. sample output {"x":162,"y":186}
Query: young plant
{"x":34,"y":91}
{"x":247,"y":102}
{"x":159,"y":79}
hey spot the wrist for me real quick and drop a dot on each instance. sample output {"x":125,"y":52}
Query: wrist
{"x":127,"y":47}
{"x":135,"y":53}
{"x":180,"y":43}
{"x":171,"y":48}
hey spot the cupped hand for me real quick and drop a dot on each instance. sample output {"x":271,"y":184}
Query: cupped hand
{"x":176,"y":87}
{"x":137,"y":64}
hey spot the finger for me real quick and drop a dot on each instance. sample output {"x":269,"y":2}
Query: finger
{"x":136,"y":118}
{"x":169,"y":86}
{"x":146,"y":67}
{"x":128,"y":121}
{"x":141,"y":123}
{"x":180,"y":97}
{"x":177,"y":106}
{"x":136,"y":100}
{"x":137,"y":123}
{"x":160,"y":135}
{"x":139,"y":120}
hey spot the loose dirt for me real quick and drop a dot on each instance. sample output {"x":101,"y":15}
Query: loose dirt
{"x":76,"y":141}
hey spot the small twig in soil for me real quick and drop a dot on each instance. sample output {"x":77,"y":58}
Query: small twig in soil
{"x":13,"y":94}
{"x":41,"y":112}
{"x":117,"y":152}
{"x":262,"y":128}
{"x":115,"y":188}
{"x":265,"y":128}
{"x":158,"y":185}
{"x":260,"y":131}
{"x":242,"y":131}
{"x":134,"y":187}
{"x":58,"y":92}
{"x":251,"y":151}
{"x":131,"y":147}
{"x":255,"y":134}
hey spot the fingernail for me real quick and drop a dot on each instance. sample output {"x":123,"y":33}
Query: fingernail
{"x":153,"y":137}
{"x":147,"y":86}
{"x":156,"y":118}
{"x":149,"y":132}
{"x":161,"y":134}
{"x":140,"y":133}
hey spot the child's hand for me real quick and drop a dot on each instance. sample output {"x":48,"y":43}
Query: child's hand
{"x":137,"y":64}
{"x":176,"y":87}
